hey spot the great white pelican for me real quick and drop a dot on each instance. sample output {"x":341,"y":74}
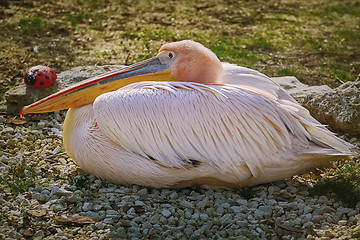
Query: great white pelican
{"x":184,"y":118}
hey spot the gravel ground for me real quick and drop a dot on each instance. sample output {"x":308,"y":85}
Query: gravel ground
{"x":56,"y":200}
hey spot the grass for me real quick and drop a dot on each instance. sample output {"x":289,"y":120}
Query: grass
{"x":343,"y":183}
{"x":36,"y":24}
{"x":247,"y":193}
{"x":355,"y":234}
{"x":18,"y":179}
{"x":352,"y":9}
{"x":81,"y":182}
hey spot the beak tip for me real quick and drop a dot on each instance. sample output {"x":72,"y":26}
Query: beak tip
{"x":23,"y":111}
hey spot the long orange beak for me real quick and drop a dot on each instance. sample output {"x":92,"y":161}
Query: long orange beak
{"x":85,"y":92}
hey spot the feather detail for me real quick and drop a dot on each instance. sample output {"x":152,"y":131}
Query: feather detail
{"x":221,"y":125}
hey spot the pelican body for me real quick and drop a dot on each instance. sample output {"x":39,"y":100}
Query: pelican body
{"x":183,"y":118}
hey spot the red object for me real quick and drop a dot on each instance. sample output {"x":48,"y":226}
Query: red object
{"x":39,"y":76}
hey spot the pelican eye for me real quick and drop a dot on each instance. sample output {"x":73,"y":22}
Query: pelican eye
{"x":171,"y":55}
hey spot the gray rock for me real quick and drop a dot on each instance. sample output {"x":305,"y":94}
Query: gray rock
{"x":112,"y":212}
{"x":139,"y":203}
{"x":99,"y":225}
{"x":241,"y":202}
{"x":143,"y":191}
{"x":60,"y":192}
{"x":7,"y":130}
{"x":297,"y":89}
{"x":39,"y":235}
{"x":166,"y":213}
{"x":258,"y":214}
{"x":23,"y":95}
{"x":340,"y":109}
{"x":87,"y":206}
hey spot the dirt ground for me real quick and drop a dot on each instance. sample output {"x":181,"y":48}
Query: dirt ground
{"x":317,"y":41}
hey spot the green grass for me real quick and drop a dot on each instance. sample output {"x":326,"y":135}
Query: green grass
{"x":81,"y":182}
{"x":93,"y":20}
{"x":287,"y":71}
{"x":349,"y":34}
{"x":247,"y":193}
{"x":356,"y":234}
{"x":343,"y":184}
{"x":313,"y":44}
{"x":18,"y":179}
{"x":230,"y":50}
{"x":342,"y":75}
{"x":36,"y":24}
{"x":352,"y":9}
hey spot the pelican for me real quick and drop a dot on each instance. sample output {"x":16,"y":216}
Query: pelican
{"x":183,"y":118}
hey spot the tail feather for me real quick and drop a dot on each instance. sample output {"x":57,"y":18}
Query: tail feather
{"x":327,"y":139}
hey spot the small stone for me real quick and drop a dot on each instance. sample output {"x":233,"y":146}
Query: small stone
{"x":56,"y":207}
{"x":87,"y":206}
{"x":62,"y":161}
{"x":237,"y":209}
{"x":265,"y":208}
{"x":186,"y":204}
{"x":6,"y":130}
{"x":99,"y":225}
{"x":108,"y":220}
{"x":166,"y":213}
{"x":342,"y":222}
{"x":45,"y":192}
{"x":97,"y":207}
{"x":111,"y":212}
{"x":93,"y":215}
{"x":40,"y":125}
{"x":316,"y":218}
{"x":225,"y":205}
{"x":55,"y":130}
{"x":39,"y":235}
{"x":60,"y":192}
{"x":195,"y":216}
{"x":258,"y":214}
{"x":139,"y":203}
{"x":307,"y":209}
{"x":204,"y":216}
{"x":163,"y":220}
{"x":143,"y":191}
{"x":220,"y":210}
{"x":74,"y":198}
{"x":241,"y":202}
{"x":271,"y":190}
{"x":11,"y":142}
{"x":308,"y":225}
{"x":131,"y":211}
{"x":173,"y":195}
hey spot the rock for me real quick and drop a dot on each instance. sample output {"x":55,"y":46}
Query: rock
{"x":7,"y":130}
{"x":139,"y":203}
{"x":23,"y":95}
{"x":297,"y":89}
{"x":340,"y":109}
{"x":87,"y":206}
{"x":166,"y":213}
{"x":60,"y":192}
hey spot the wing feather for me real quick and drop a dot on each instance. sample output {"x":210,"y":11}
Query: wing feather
{"x":259,"y":83}
{"x":174,"y":123}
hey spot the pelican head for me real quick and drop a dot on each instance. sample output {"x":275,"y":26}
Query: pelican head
{"x":178,"y":61}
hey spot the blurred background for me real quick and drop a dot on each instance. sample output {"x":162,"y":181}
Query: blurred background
{"x":315,"y":40}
